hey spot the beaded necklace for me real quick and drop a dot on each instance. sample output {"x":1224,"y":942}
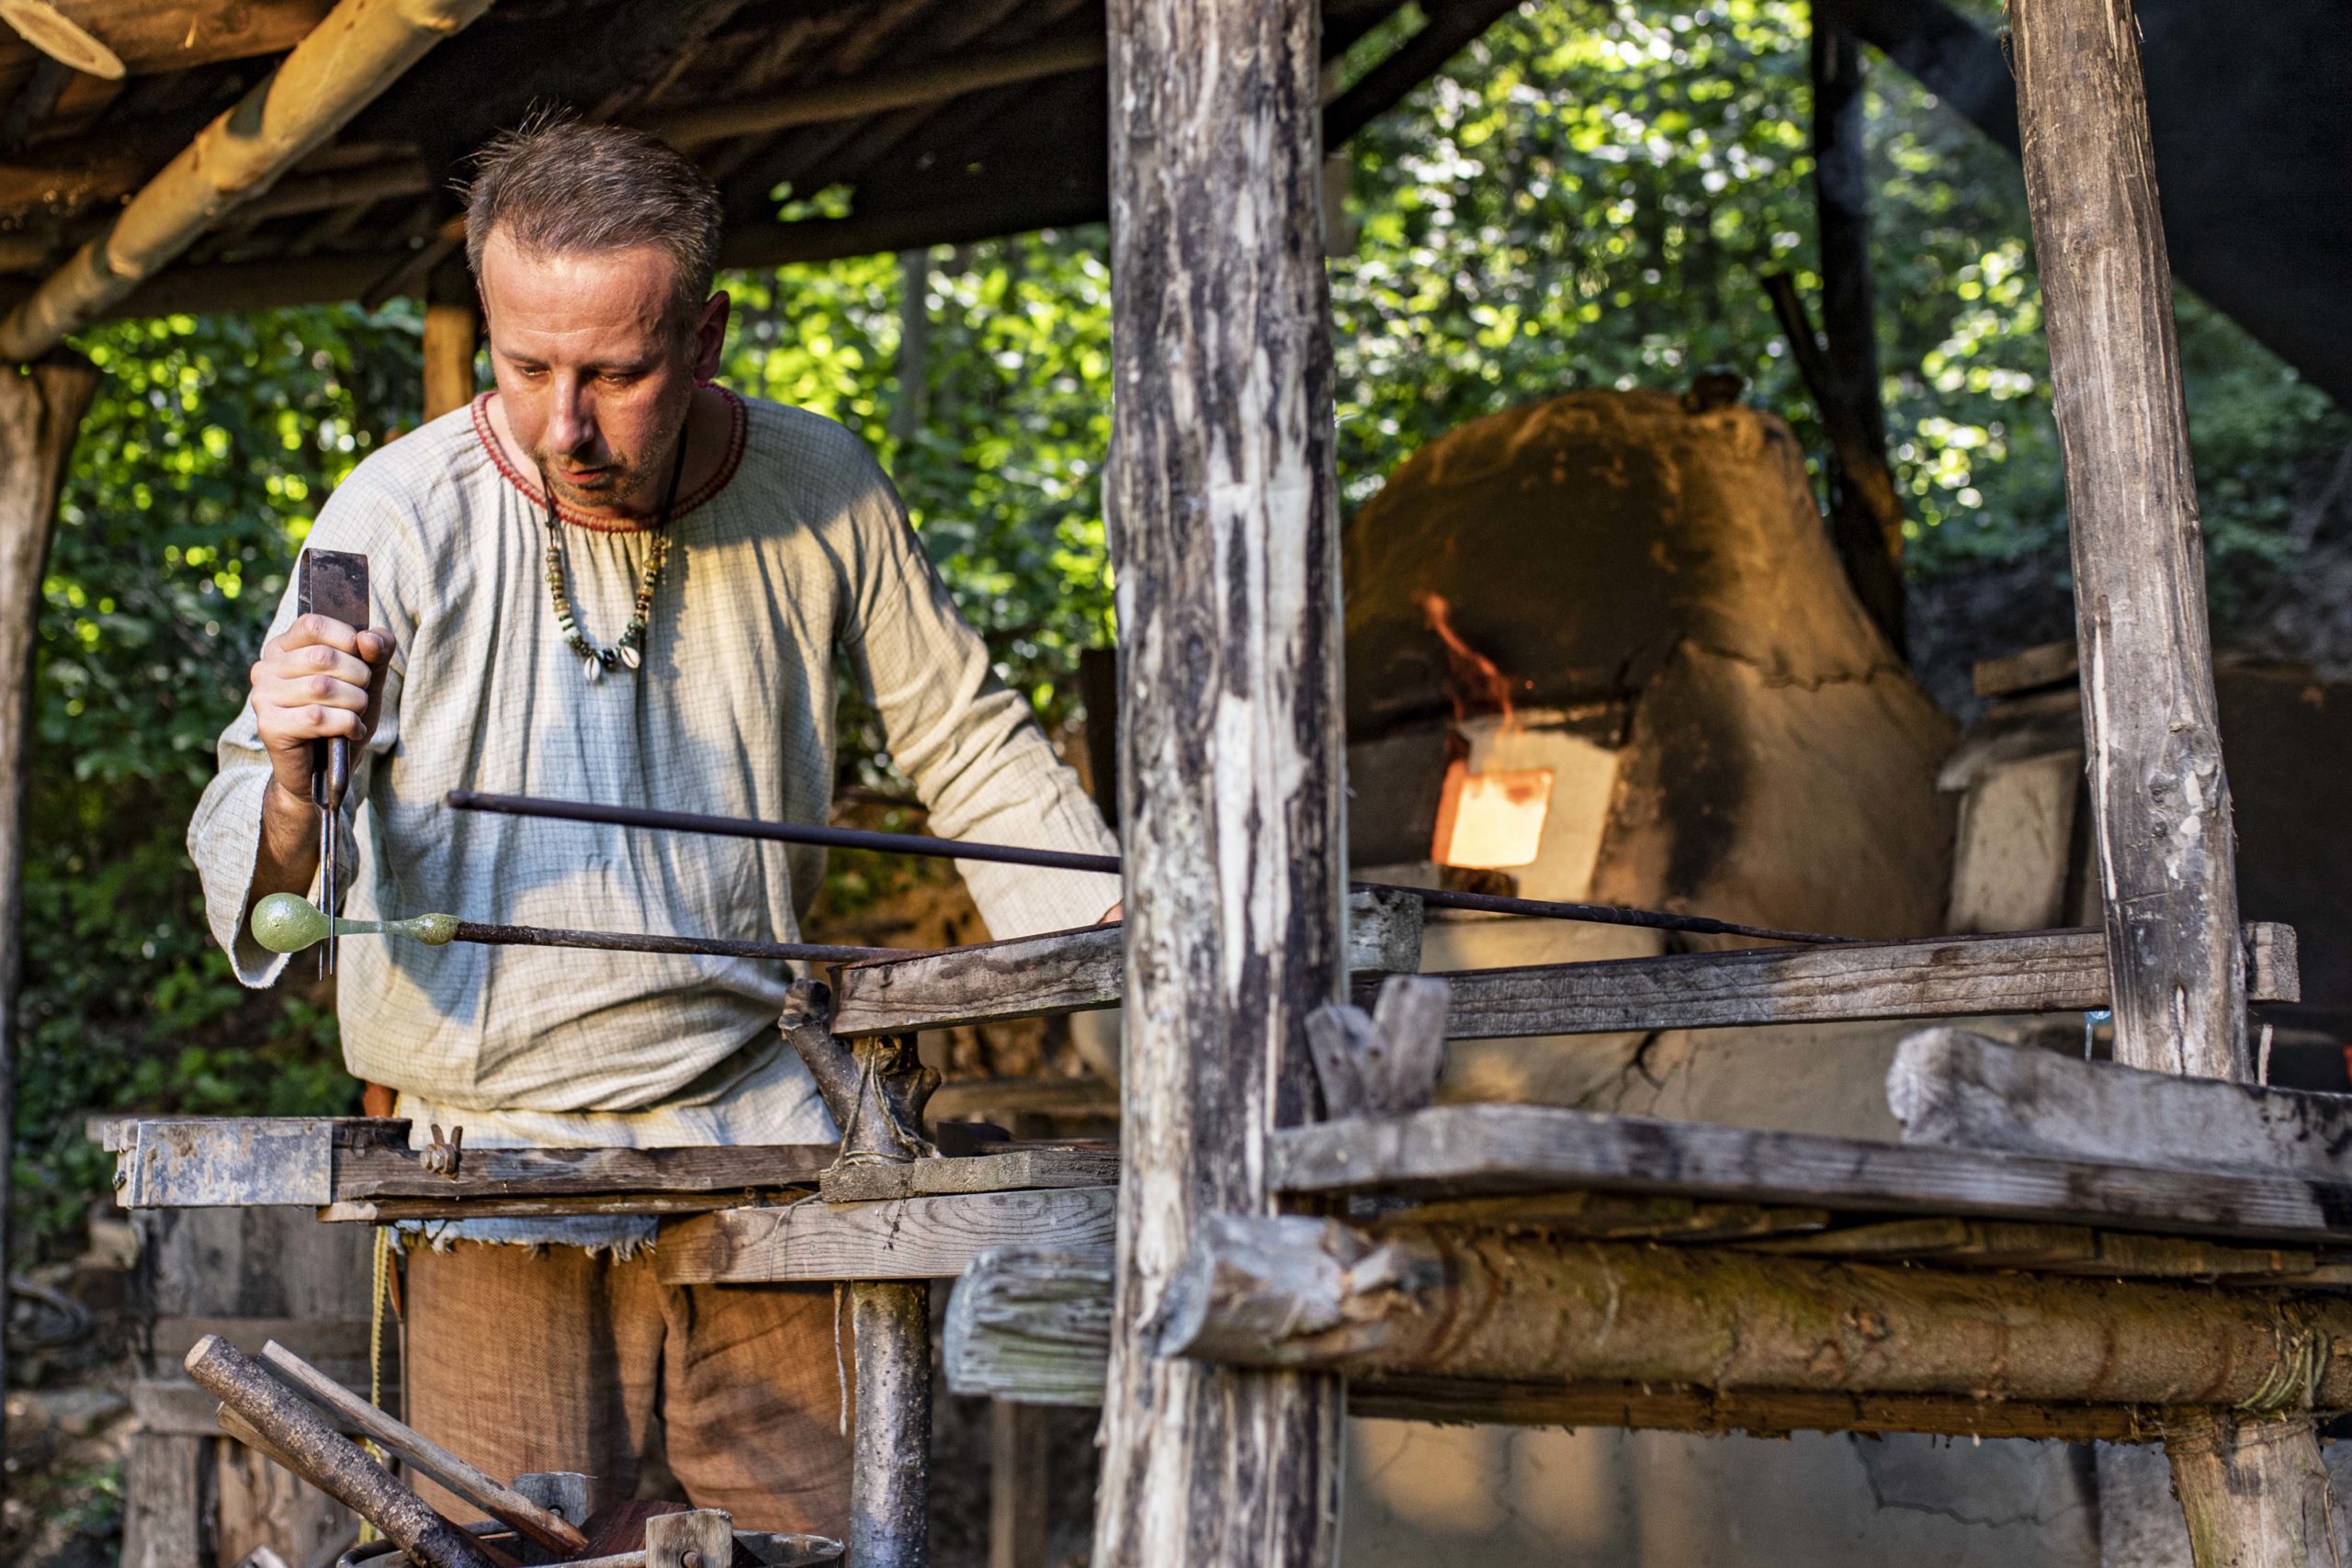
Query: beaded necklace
{"x":595,"y":662}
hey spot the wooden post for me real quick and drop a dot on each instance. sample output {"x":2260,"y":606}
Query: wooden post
{"x":1865,"y":514}
{"x":2160,"y":799}
{"x":1019,"y":1485}
{"x":452,"y":333}
{"x":40,"y":410}
{"x":1221,"y":506}
{"x":889,"y":1498}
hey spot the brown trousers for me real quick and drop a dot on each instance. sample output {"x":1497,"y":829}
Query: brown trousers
{"x":527,"y":1359}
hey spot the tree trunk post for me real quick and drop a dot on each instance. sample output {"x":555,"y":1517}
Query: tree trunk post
{"x":1224,"y":529}
{"x":1865,"y":513}
{"x":452,"y":333}
{"x":2160,"y":799}
{"x":890,"y":1495}
{"x":40,"y":411}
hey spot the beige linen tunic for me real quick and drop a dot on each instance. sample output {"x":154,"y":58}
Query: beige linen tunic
{"x":796,"y":552}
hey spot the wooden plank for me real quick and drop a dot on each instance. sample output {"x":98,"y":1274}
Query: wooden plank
{"x":1012,"y":1171}
{"x":1065,"y":972}
{"x":1949,"y":1240}
{"x":1959,"y":976}
{"x":912,"y":1238}
{"x":388,"y":1211}
{"x":1467,"y":1150}
{"x":378,"y":1172}
{"x":1954,"y":1089}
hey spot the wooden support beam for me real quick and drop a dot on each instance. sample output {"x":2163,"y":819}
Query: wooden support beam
{"x":1041,"y":976}
{"x":40,"y":412}
{"x":1959,"y":1090}
{"x":1448,"y":31}
{"x":452,"y":335}
{"x":174,"y":35}
{"x":1034,"y":1327}
{"x":2160,"y":796}
{"x":1957,"y":976}
{"x":858,"y":97}
{"x":1221,"y":508}
{"x":1474,"y":1150}
{"x":889,"y":1511}
{"x":1294,"y":1291}
{"x":915,"y":1238}
{"x":361,"y":48}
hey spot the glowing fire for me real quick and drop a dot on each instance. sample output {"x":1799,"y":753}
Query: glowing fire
{"x":1492,"y":821}
{"x":1472,"y":680}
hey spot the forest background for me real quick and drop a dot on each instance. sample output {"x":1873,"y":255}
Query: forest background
{"x":1587,"y":198}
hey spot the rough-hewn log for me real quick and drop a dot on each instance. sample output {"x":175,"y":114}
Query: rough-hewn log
{"x":360,"y":48}
{"x":356,"y":1416}
{"x":1276,"y":1291}
{"x":2255,"y":1492}
{"x":174,"y":35}
{"x":1034,"y":1327}
{"x":306,"y":1444}
{"x":1221,"y":503}
{"x":40,"y":410}
{"x":1962,"y":1090}
{"x":1474,"y":1150}
{"x":2160,"y":798}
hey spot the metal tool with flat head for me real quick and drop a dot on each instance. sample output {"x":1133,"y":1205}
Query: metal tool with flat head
{"x":334,"y":583}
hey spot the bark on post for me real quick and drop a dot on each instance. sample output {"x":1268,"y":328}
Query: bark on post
{"x":40,"y":410}
{"x":2159,"y":796}
{"x":1224,"y":531}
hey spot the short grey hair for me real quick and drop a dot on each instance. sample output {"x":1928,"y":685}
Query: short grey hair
{"x":560,"y":186}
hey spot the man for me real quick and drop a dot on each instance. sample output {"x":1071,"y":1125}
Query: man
{"x":611,"y":581}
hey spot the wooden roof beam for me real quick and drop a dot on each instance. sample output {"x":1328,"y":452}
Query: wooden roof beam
{"x":361,"y":48}
{"x":151,"y":36}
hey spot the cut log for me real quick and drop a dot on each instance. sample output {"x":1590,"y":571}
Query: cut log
{"x":322,"y":1456}
{"x":1959,"y":1090}
{"x":1222,"y":507}
{"x":1034,"y":1327}
{"x":890,"y":1523}
{"x":919,"y":1239}
{"x":1283,"y":1292}
{"x":361,"y":48}
{"x":2255,"y":1492}
{"x":1041,"y":976}
{"x":356,"y":1416}
{"x":1472,"y":1150}
{"x":175,"y":35}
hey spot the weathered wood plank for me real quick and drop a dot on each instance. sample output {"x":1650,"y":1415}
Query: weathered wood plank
{"x":1012,"y":1170}
{"x":1954,"y":1089}
{"x":912,"y":1238}
{"x":1955,"y":977}
{"x":1041,"y":976}
{"x":1949,"y":1240}
{"x":1467,"y":1150}
{"x":370,"y":1173}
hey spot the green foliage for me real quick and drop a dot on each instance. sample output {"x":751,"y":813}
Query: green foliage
{"x":1587,"y":198}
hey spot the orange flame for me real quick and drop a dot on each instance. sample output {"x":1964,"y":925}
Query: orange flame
{"x":1471,"y":678}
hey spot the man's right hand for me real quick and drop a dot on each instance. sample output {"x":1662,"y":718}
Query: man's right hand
{"x":316,"y":679}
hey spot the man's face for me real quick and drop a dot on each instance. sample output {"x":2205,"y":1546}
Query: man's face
{"x":594,"y":371}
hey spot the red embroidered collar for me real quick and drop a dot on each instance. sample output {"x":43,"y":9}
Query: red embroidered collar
{"x":737,"y":434}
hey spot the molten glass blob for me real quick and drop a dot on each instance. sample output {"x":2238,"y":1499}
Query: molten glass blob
{"x":284,"y":923}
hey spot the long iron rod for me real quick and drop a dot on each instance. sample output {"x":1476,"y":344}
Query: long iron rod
{"x":1064,"y":860}
{"x":626,"y":941}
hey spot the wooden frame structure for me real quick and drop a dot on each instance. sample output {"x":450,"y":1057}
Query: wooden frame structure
{"x":1267,"y":1259}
